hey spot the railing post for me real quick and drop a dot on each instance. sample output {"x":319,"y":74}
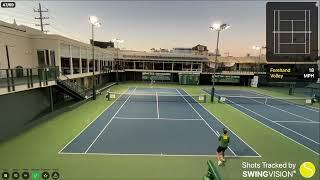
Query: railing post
{"x":40,"y":76}
{"x":28,"y":78}
{"x":46,"y":75}
{"x":8,"y":80}
{"x":31,"y":77}
{"x":12,"y":80}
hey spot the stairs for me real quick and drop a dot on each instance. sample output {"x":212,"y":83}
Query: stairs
{"x":72,"y":89}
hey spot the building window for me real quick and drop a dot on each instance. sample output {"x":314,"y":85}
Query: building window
{"x":76,"y":65}
{"x":158,"y":66}
{"x":168,"y":66}
{"x":148,"y":66}
{"x":139,"y":65}
{"x":177,"y":67}
{"x":52,"y":58}
{"x":96,"y":65}
{"x":84,"y":64}
{"x":186,"y":66}
{"x":91,"y":66}
{"x":65,"y":65}
{"x":41,"y":58}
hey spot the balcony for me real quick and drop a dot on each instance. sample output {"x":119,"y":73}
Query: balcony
{"x":20,"y":79}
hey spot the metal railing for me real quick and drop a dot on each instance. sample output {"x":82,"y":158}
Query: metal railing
{"x":241,"y":70}
{"x":10,"y":78}
{"x":83,"y":92}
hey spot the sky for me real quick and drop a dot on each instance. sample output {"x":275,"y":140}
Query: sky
{"x":153,"y":24}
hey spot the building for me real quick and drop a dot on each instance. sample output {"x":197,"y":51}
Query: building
{"x":182,"y":50}
{"x":103,"y":45}
{"x":200,"y":50}
{"x":133,"y":64}
{"x":24,"y":47}
{"x":38,"y":71}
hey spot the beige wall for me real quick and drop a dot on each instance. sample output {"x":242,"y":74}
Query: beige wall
{"x":49,"y":44}
{"x":20,"y":50}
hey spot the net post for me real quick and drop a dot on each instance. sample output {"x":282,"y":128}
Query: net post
{"x":205,"y":98}
{"x":212,"y":94}
{"x":108,"y":95}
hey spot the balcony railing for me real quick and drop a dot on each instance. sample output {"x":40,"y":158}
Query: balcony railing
{"x":11,"y":78}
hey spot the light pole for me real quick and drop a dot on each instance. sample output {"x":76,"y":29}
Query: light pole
{"x":94,"y":21}
{"x":216,"y":27}
{"x":258,"y":48}
{"x":117,"y":41}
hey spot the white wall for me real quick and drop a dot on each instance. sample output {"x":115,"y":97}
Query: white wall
{"x":20,"y":50}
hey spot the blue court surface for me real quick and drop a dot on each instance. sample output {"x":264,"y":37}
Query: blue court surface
{"x":297,"y":122}
{"x":155,"y":125}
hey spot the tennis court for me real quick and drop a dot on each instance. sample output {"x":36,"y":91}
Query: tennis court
{"x":289,"y":117}
{"x":155,"y":122}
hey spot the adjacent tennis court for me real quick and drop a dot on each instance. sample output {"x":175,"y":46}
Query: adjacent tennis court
{"x":155,"y":122}
{"x":287,"y":116}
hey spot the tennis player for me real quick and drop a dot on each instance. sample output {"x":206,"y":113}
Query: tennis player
{"x":224,"y":140}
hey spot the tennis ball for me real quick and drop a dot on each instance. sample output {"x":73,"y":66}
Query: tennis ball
{"x":307,"y":169}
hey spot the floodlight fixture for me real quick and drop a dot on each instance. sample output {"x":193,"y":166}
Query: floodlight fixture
{"x":219,"y":26}
{"x":94,"y":20}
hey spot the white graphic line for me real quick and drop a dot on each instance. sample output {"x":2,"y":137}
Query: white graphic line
{"x":157,"y":155}
{"x":109,"y":122}
{"x":203,"y":119}
{"x":157,"y":105}
{"x":279,"y":109}
{"x":89,"y":124}
{"x":306,"y":122}
{"x":275,"y":122}
{"x":152,"y":118}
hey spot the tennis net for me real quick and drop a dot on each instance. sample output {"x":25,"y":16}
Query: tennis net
{"x":156,"y":97}
{"x":264,"y":100}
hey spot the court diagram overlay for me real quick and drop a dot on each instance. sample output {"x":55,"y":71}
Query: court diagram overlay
{"x":292,"y":31}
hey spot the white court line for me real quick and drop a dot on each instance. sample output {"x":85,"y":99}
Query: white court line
{"x":110,"y":121}
{"x":170,"y":119}
{"x":157,"y":98}
{"x":157,"y":155}
{"x":224,"y":124}
{"x":203,"y":119}
{"x":270,"y":127}
{"x":276,"y":108}
{"x":275,"y":122}
{"x":307,"y":122}
{"x":89,"y":124}
{"x":278,"y":125}
{"x":308,"y":108}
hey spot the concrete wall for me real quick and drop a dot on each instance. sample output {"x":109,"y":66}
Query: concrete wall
{"x":19,"y":109}
{"x":20,"y":47}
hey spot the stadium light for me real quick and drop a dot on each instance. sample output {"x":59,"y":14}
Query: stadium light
{"x":94,"y":21}
{"x":256,"y":47}
{"x":216,"y":27}
{"x":219,"y":27}
{"x":117,"y":41}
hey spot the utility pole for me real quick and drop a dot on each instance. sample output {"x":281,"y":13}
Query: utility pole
{"x":41,"y":18}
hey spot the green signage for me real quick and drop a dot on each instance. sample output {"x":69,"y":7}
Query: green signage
{"x":227,"y":79}
{"x":146,"y":76}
